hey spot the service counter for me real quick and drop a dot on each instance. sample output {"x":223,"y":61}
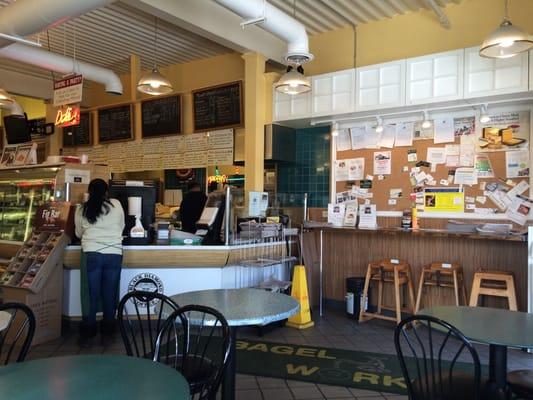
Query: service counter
{"x":333,"y":254}
{"x":175,"y":269}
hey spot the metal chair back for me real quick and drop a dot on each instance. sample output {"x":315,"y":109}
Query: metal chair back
{"x":196,"y":340}
{"x":140,"y":318}
{"x":443,"y":364}
{"x":16,"y":338}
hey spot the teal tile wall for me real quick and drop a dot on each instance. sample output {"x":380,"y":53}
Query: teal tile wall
{"x":310,"y":171}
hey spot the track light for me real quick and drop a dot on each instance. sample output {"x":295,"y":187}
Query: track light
{"x":379,"y":126}
{"x":484,"y":117}
{"x":427,"y":122}
{"x":335,"y":129}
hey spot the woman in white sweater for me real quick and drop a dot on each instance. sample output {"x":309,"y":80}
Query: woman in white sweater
{"x":99,"y":225}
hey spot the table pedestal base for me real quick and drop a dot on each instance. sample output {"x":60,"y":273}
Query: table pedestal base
{"x":497,"y":388}
{"x":228,"y":381}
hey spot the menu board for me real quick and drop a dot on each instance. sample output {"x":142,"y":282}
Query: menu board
{"x":115,"y":123}
{"x":161,"y":116}
{"x":79,"y":135}
{"x":218,"y":107}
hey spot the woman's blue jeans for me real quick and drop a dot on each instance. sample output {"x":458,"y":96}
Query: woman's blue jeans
{"x":103,"y":276}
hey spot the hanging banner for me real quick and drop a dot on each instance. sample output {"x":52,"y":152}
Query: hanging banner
{"x":68,"y":90}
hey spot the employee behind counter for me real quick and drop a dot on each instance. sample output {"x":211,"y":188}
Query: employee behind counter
{"x":191,"y":207}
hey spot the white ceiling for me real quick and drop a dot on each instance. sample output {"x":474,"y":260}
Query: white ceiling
{"x":107,"y":36}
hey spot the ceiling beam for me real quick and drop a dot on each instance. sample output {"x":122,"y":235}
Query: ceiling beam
{"x":214,"y":22}
{"x":26,"y":85}
{"x":439,"y":12}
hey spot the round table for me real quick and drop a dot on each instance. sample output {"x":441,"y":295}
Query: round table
{"x":5,"y":317}
{"x":241,"y":307}
{"x":90,"y":377}
{"x":496,"y":327}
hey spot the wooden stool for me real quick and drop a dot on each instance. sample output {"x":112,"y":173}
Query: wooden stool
{"x":494,"y":283}
{"x":433,"y":276}
{"x":392,"y":271}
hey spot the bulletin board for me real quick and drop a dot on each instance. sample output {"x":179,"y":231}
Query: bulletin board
{"x":400,"y":178}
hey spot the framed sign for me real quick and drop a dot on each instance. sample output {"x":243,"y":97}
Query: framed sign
{"x":161,"y":116}
{"x":218,"y":107}
{"x":115,"y":123}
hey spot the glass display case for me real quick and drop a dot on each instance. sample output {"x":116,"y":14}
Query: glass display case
{"x":21,"y":192}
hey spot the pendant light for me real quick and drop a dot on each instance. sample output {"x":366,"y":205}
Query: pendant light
{"x":426,"y":124}
{"x":379,"y":126}
{"x":154,"y":82}
{"x":484,"y":118}
{"x":293,"y":81}
{"x":506,"y":41}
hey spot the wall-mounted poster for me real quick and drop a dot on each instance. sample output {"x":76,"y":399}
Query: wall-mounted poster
{"x":507,"y":130}
{"x":8,"y":156}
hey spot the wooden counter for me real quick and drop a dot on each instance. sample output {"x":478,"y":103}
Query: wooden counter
{"x":347,"y":252}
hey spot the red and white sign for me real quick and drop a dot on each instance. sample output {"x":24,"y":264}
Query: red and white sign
{"x":68,"y":90}
{"x":68,"y":116}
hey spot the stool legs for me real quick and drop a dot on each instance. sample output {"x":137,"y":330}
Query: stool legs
{"x":420,"y":289}
{"x":509,"y":292}
{"x":365,"y":294}
{"x":397,"y":296}
{"x":455,"y":287}
{"x":459,"y":288}
{"x":511,"y":295}
{"x":474,"y":293}
{"x":410,"y":290}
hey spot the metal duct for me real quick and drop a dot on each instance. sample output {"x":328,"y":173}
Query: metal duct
{"x":62,"y":64}
{"x":278,"y":23}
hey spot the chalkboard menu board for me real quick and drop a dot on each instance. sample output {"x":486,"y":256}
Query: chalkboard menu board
{"x":79,"y":135}
{"x":218,"y":107}
{"x":115,"y":123}
{"x":161,"y":116}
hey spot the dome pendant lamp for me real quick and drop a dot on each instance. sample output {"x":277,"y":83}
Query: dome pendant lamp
{"x":154,"y":83}
{"x":293,"y":81}
{"x":506,"y":41}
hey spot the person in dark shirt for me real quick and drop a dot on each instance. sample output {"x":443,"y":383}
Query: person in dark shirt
{"x":191,"y":207}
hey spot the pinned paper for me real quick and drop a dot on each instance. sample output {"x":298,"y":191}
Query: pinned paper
{"x":392,"y":202}
{"x":387,"y":136}
{"x":470,"y":206}
{"x":366,"y":183}
{"x":343,"y":140}
{"x":369,"y":177}
{"x":358,"y":137}
{"x":436,"y":155}
{"x":444,"y":130}
{"x":395,"y":193}
{"x":380,"y":177}
{"x":405,"y":168}
{"x":520,"y":188}
{"x":481,"y":199}
{"x":467,"y":153}
{"x":480,"y":210}
{"x":465,"y":176}
{"x":404,"y":134}
{"x":483,"y":166}
{"x":509,"y":182}
{"x":469,"y":199}
{"x":482,"y":185}
{"x":444,"y":182}
{"x":411,"y":155}
{"x":517,"y":164}
{"x":382,"y":162}
{"x":356,"y":168}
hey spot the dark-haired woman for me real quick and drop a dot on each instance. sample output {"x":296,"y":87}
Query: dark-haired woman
{"x":99,"y":225}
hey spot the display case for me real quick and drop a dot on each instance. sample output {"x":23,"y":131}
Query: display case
{"x":23,"y":189}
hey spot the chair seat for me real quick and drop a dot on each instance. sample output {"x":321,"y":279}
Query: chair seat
{"x":521,"y":383}
{"x":460,"y":389}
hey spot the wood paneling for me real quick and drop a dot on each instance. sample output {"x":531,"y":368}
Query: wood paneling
{"x":347,"y":253}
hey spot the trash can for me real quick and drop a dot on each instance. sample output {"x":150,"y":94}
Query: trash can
{"x":354,"y":293}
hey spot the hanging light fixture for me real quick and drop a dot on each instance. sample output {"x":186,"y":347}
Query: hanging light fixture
{"x":293,"y":81}
{"x":379,"y":126}
{"x":506,"y":41}
{"x":484,"y":117}
{"x":335,"y":129}
{"x":5,"y":98}
{"x":154,"y":82}
{"x":426,"y":124}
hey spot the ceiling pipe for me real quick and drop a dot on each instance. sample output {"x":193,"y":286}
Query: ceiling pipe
{"x":26,"y":17}
{"x":62,"y":64}
{"x":441,"y":15}
{"x":276,"y":22}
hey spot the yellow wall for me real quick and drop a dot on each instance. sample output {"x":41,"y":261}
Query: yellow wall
{"x":414,"y":34}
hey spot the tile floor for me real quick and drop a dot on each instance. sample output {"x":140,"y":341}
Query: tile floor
{"x":334,"y":329}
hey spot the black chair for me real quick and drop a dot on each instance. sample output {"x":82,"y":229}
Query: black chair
{"x":429,"y":360}
{"x":16,"y":338}
{"x":139,"y":325}
{"x":196,"y":340}
{"x":521,"y":383}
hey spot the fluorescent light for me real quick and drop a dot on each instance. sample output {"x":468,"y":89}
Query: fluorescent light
{"x":505,"y":41}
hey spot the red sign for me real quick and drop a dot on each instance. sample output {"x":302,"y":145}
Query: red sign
{"x":68,"y":90}
{"x":70,"y":81}
{"x":68,"y":116}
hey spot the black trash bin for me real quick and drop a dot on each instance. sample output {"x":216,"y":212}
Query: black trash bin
{"x":354,"y":292}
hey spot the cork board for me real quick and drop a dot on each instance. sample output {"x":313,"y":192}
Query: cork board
{"x":401,"y":180}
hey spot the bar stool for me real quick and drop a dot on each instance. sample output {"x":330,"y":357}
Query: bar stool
{"x":393,"y":271}
{"x":494,"y":283}
{"x":442,"y":275}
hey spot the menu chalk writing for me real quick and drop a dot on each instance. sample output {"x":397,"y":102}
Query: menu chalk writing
{"x":218,"y":107}
{"x":79,"y":135}
{"x":161,"y":116}
{"x":115,"y":123}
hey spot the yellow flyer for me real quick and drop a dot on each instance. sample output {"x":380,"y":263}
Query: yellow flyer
{"x":444,"y":200}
